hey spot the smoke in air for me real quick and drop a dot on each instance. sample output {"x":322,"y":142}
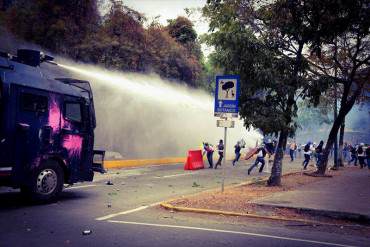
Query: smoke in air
{"x":144,"y":116}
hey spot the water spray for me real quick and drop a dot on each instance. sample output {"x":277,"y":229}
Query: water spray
{"x":144,"y":116}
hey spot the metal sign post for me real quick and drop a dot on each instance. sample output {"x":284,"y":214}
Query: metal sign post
{"x":226,"y":105}
{"x":224,"y":162}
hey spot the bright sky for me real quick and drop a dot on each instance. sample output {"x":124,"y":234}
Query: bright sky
{"x":168,"y":9}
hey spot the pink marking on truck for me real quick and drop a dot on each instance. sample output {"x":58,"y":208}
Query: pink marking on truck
{"x":54,"y":116}
{"x":73,"y":144}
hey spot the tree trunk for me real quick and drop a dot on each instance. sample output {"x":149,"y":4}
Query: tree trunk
{"x":345,"y":106}
{"x":329,"y":144}
{"x":277,"y":167}
{"x":341,"y":138}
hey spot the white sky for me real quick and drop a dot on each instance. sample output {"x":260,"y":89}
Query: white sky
{"x":168,"y":9}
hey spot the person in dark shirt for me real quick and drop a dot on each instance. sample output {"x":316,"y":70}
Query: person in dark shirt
{"x":270,"y":147}
{"x":307,"y":155}
{"x":220,"y":148}
{"x":361,"y":155}
{"x":237,"y":147}
{"x":319,"y":150}
{"x":261,"y":153}
{"x":353,"y":151}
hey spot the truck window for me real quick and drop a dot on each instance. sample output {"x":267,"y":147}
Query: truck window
{"x":33,"y":102}
{"x":73,"y":111}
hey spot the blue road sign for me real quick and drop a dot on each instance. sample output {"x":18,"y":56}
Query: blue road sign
{"x":227,"y":94}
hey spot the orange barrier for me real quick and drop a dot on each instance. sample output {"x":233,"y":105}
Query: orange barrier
{"x":194,"y":160}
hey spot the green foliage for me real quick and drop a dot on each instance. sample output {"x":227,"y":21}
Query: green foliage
{"x":182,"y":30}
{"x":117,"y":40}
{"x":53,"y":24}
{"x":264,"y":42}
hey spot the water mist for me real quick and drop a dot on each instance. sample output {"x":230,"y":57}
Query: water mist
{"x":144,"y":116}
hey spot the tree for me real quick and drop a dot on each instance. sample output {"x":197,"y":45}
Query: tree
{"x":55,"y":25}
{"x":119,"y":42}
{"x":349,"y":66}
{"x":264,"y":43}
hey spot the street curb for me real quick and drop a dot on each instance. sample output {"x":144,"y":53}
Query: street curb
{"x":355,"y":217}
{"x":350,"y":216}
{"x":230,"y":213}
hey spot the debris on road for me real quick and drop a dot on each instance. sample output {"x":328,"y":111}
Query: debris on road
{"x":195,"y":184}
{"x":86,"y":232}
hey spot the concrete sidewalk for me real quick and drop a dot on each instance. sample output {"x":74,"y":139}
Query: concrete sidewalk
{"x":346,"y":195}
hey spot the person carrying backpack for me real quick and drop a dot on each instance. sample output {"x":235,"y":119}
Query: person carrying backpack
{"x":307,"y":155}
{"x":237,"y":147}
{"x":220,"y":148}
{"x":261,"y":153}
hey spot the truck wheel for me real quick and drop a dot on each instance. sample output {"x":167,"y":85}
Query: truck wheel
{"x":46,"y":183}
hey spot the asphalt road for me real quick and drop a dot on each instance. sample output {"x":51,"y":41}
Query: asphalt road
{"x":127,"y":214}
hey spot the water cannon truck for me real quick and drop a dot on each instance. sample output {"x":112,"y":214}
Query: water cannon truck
{"x":46,"y":128}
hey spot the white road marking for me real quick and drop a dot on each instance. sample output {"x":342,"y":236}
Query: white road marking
{"x":232,"y":232}
{"x":81,"y":186}
{"x":176,"y":175}
{"x":128,"y":211}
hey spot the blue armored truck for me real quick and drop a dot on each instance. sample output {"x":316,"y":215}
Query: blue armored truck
{"x":46,"y":128}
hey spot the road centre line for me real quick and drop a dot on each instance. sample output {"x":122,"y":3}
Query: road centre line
{"x":231,"y":232}
{"x":127,"y":211}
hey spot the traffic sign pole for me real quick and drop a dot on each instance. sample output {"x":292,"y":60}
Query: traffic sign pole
{"x":226,"y":103}
{"x":224,"y":161}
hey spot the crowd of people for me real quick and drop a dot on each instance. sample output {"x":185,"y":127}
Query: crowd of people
{"x":356,"y":154}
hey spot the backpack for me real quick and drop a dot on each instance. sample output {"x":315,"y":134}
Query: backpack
{"x":360,"y":150}
{"x":306,"y":148}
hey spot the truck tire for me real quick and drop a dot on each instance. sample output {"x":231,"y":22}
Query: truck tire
{"x":46,"y":182}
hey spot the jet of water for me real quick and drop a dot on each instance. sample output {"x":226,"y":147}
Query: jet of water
{"x":144,"y":116}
